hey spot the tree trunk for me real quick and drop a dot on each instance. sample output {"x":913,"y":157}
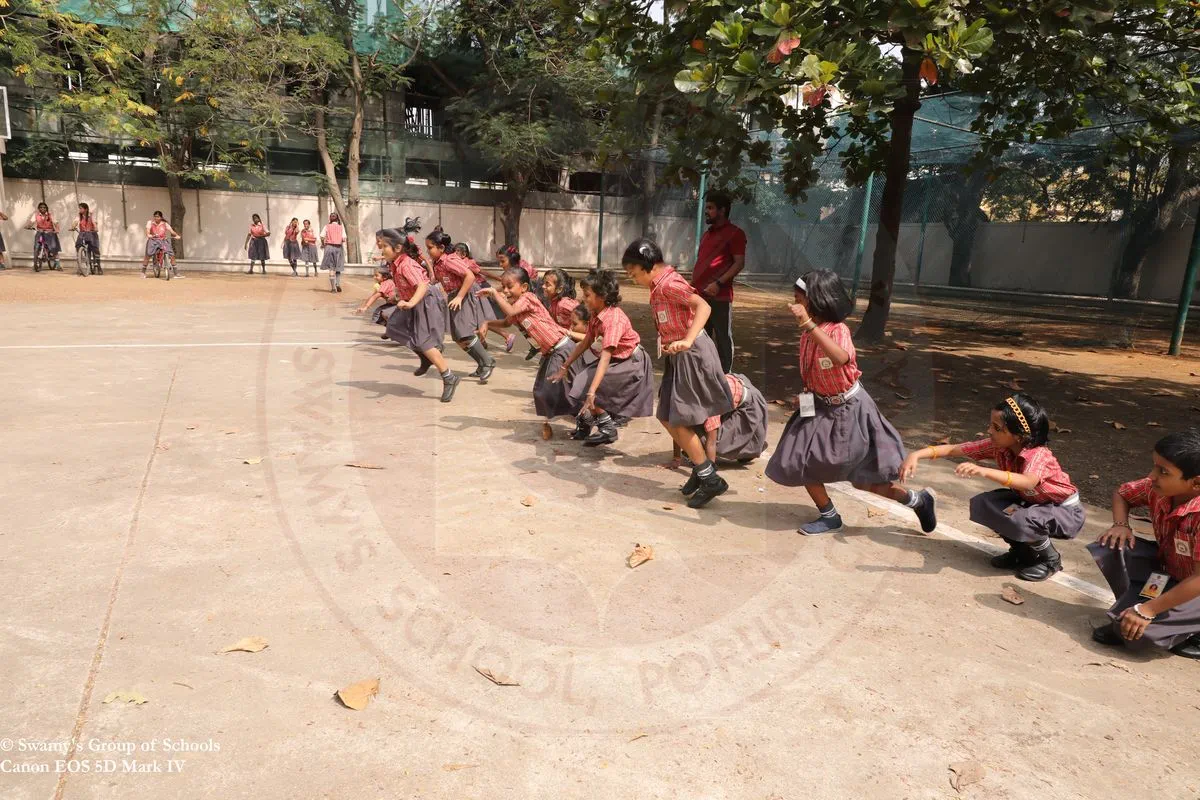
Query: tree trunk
{"x":178,"y":211}
{"x":650,"y":176}
{"x":510,"y":212}
{"x":332,"y":187}
{"x":964,"y":225}
{"x":899,"y":156}
{"x":354,"y":153}
{"x":1150,"y":221}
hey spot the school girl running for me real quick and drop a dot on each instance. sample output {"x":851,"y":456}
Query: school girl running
{"x":467,"y":310}
{"x":419,"y":321}
{"x":838,"y":433}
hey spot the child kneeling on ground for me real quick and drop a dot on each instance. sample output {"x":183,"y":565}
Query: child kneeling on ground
{"x":1157,"y":584}
{"x":1037,"y":503}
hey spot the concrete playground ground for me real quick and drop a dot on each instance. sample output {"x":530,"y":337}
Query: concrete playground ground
{"x":187,"y":464}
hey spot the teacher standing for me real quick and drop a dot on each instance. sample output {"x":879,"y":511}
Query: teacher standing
{"x":721,"y":256}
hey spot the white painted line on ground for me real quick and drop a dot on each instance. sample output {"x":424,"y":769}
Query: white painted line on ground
{"x":950,"y":532}
{"x":353,"y":343}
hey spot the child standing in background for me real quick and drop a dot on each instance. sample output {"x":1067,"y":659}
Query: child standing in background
{"x":1157,"y":584}
{"x":308,"y":248}
{"x":837,"y":433}
{"x":622,"y":379}
{"x":256,"y":244}
{"x":291,"y":245}
{"x":333,"y":241}
{"x":693,"y":386}
{"x":1038,"y":502}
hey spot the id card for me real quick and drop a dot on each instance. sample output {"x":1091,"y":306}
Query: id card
{"x":1155,"y":585}
{"x":807,"y":404}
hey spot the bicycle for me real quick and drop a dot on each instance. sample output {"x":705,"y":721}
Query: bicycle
{"x":41,"y":253}
{"x":88,"y":257}
{"x":161,"y":266}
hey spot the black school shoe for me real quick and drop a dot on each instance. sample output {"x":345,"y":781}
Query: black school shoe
{"x":583,"y":429}
{"x":1008,"y":561}
{"x":1042,"y":564}
{"x":485,"y":371}
{"x":424,"y":367}
{"x":926,"y":510}
{"x":449,"y":384}
{"x":533,"y":351}
{"x":1189,"y":648}
{"x":1108,"y":635}
{"x":712,"y":486}
{"x":606,"y":433}
{"x":693,"y":483}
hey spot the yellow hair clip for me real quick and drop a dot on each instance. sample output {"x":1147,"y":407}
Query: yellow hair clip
{"x":1012,"y":403}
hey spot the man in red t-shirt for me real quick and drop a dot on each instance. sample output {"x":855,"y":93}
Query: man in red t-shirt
{"x":721,"y":256}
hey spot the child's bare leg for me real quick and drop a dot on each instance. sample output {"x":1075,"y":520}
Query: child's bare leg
{"x":710,"y":445}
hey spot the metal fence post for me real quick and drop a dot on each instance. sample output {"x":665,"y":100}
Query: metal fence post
{"x":924,"y":222}
{"x":1185,"y":291}
{"x":862,"y":235}
{"x":700,"y":213}
{"x":600,"y":227}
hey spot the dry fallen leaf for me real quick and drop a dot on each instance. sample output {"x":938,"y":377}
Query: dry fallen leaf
{"x":640,"y":555}
{"x":1118,"y":426}
{"x":1094,"y":477}
{"x":255,"y":460}
{"x":903,"y":396}
{"x":639,"y":736}
{"x":191,"y":427}
{"x":529,"y":501}
{"x":498,"y":680}
{"x":357,"y":695}
{"x":126,"y":696}
{"x":1011,"y":595}
{"x":547,"y":431}
{"x":163,"y":446}
{"x":363,"y":465}
{"x":1009,"y":355}
{"x":668,"y":508}
{"x":456,"y":767}
{"x":964,"y":773}
{"x":1113,"y":664}
{"x":1153,"y":424}
{"x":250,"y":644}
{"x":876,"y":512}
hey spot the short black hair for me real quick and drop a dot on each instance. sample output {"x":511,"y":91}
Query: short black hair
{"x":582,"y":312}
{"x":643,"y":253}
{"x":155,"y":214}
{"x":566,"y":284}
{"x":1182,"y":449}
{"x":1035,"y":416}
{"x":441,"y":239}
{"x":720,"y":199}
{"x":463,"y":249}
{"x":517,"y":274}
{"x":510,"y":252}
{"x":604,"y":283}
{"x":827,"y":298}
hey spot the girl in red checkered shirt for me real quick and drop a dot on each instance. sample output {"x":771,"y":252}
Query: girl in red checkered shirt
{"x":1168,"y":616}
{"x":521,"y":307}
{"x":1036,"y":501}
{"x":693,"y":385}
{"x":621,"y":381}
{"x":844,"y":437}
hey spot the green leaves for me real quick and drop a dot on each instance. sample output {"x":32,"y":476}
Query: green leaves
{"x":690,"y":81}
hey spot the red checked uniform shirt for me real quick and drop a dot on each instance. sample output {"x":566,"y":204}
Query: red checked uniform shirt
{"x":407,"y":276}
{"x":530,"y":270}
{"x":258,"y":230}
{"x":1176,"y":529}
{"x":739,"y":393}
{"x":43,"y":222}
{"x":87,"y":224}
{"x":307,"y":236}
{"x":612,"y":329}
{"x":669,"y":297}
{"x":158,"y":230}
{"x":821,"y":375}
{"x":451,"y":270}
{"x":290,"y":233}
{"x":536,"y":323}
{"x":562,"y":308}
{"x":1053,"y":486}
{"x":719,"y":245}
{"x":387,"y":289}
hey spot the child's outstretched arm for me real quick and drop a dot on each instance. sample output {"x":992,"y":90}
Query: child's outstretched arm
{"x":579,"y":350}
{"x":368,"y":302}
{"x":909,"y":468}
